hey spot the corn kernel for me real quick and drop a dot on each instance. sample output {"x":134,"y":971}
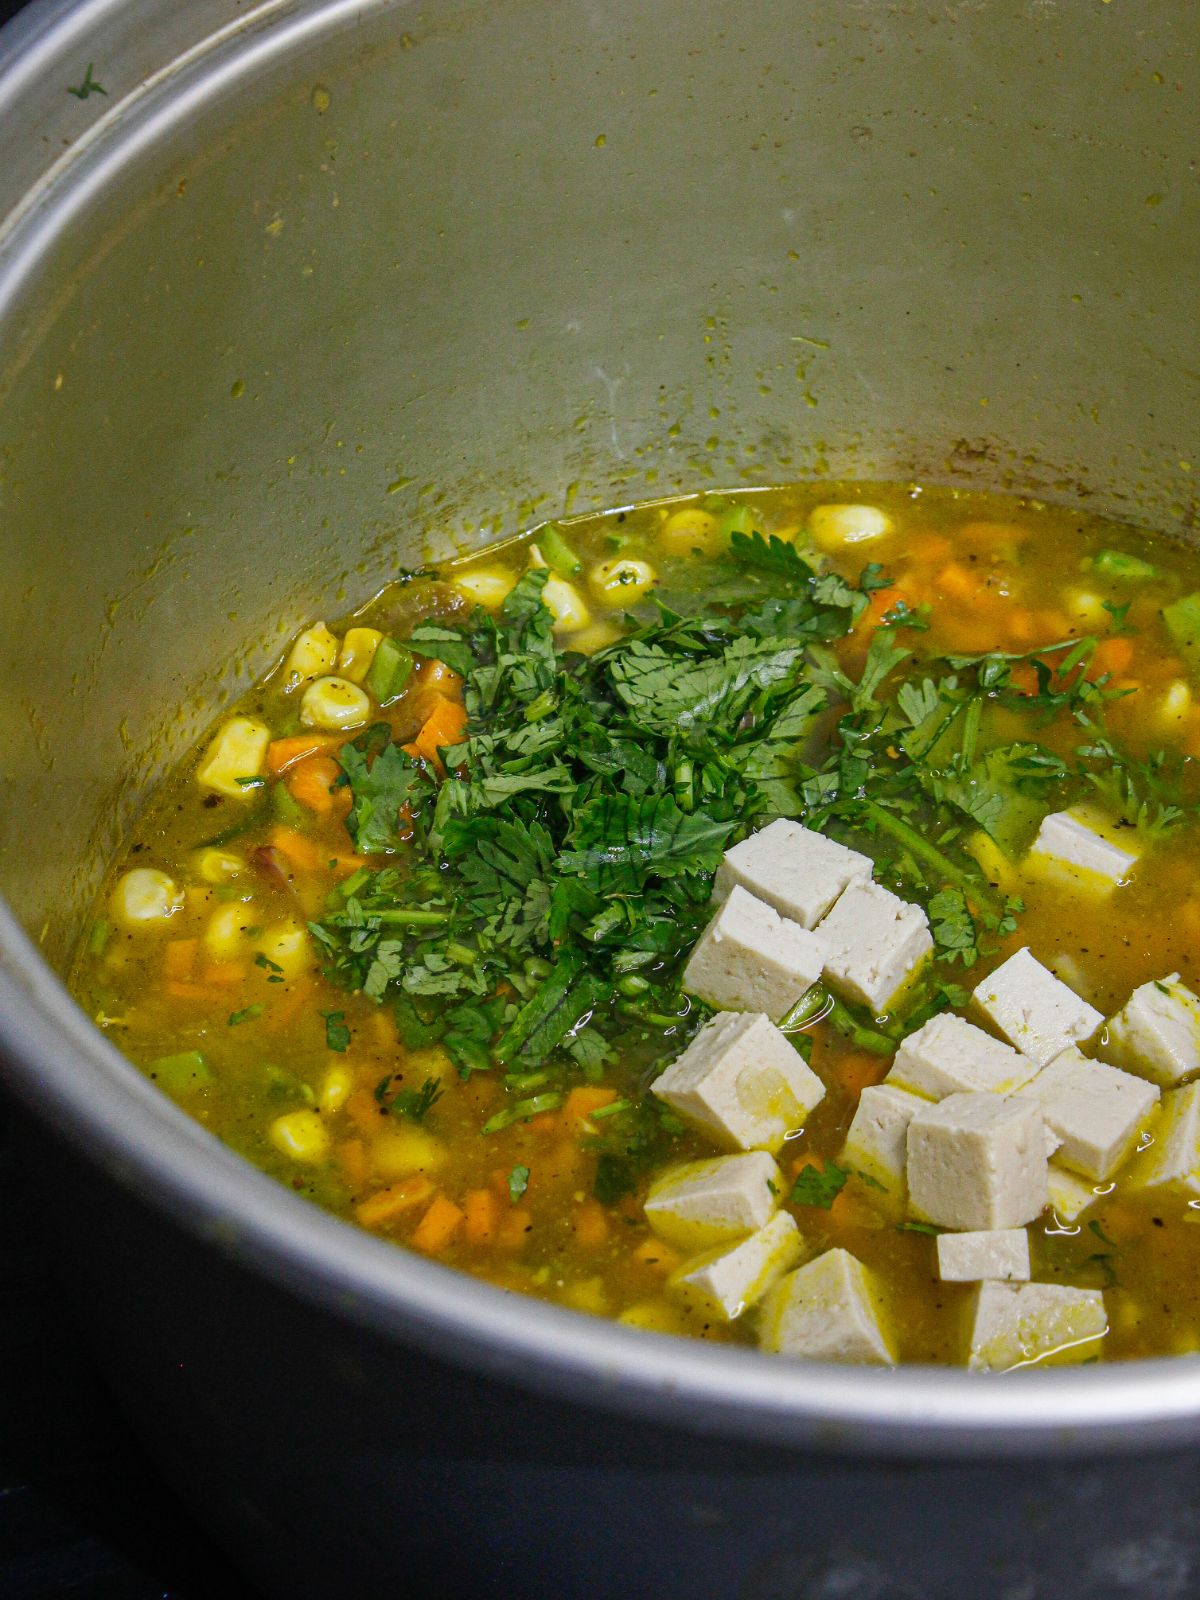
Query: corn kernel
{"x":314,"y":654}
{"x":336,"y":1088}
{"x":1175,"y":704}
{"x":301,"y":1135}
{"x":430,"y":1063}
{"x":399,"y":1150}
{"x":486,"y":586}
{"x":833,"y":526}
{"x":225,"y":935}
{"x":358,"y":652}
{"x":597,"y":636}
{"x":236,"y":755}
{"x":566,"y":605}
{"x":621,"y":582}
{"x":217,"y":866}
{"x":146,"y":896}
{"x":287,"y":946}
{"x":334,"y":704}
{"x":1087,"y":607}
{"x":690,"y":529}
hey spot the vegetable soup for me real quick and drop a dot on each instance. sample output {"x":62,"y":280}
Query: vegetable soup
{"x":766,"y":917}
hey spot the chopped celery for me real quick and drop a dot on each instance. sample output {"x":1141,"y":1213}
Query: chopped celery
{"x":737,"y":519}
{"x":1182,"y":619}
{"x":389,"y":671}
{"x":181,"y":1074}
{"x":558,"y":553}
{"x":1116,"y":564}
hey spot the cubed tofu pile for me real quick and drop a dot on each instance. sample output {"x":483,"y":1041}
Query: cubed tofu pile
{"x":979,"y":1127}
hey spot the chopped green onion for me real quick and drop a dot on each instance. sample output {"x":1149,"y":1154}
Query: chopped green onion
{"x":98,"y":938}
{"x":611,"y":1110}
{"x":523,"y":1110}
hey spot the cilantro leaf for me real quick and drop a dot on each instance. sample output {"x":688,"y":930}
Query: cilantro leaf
{"x":816,"y":1186}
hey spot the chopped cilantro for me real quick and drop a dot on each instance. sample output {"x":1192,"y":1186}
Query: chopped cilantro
{"x":337,"y":1034}
{"x":247,"y":1014}
{"x":518,"y":1182}
{"x":817,"y":1186}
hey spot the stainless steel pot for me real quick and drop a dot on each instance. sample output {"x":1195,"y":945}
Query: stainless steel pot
{"x":309,"y":289}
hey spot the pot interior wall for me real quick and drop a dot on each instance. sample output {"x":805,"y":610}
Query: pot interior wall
{"x":419,"y":279}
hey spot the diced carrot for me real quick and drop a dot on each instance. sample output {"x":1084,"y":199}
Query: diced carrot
{"x":582,"y":1101}
{"x":436,"y":675}
{"x":297,"y":850}
{"x":1113,"y":655}
{"x":482,"y":1211}
{"x":1023,"y":677}
{"x":355,"y":1163}
{"x":387,"y":1204}
{"x":445,"y":725}
{"x":364,"y":1112}
{"x":545,"y":1124}
{"x":859,"y":1069}
{"x":514,"y":1229}
{"x":312,"y":781}
{"x":198,"y":992}
{"x":293,"y":997}
{"x":956,"y":583}
{"x":929,"y":548}
{"x":438,"y":1226}
{"x":590,"y":1225}
{"x":285,"y":753}
{"x":179,"y":959}
{"x":223,"y":974}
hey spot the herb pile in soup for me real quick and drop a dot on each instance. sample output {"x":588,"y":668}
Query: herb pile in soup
{"x":769,"y":918}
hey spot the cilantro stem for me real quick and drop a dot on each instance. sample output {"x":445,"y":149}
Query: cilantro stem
{"x":917,"y":845}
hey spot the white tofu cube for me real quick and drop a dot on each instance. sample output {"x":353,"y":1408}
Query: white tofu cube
{"x":749,"y":958}
{"x":742,"y":1082}
{"x":1019,"y":1324}
{"x":704,"y":1203}
{"x":877,"y":1139}
{"x":977,"y":1161}
{"x":876,"y":943}
{"x":1071,"y":848}
{"x":799,"y":872}
{"x":999,"y":1253}
{"x":828,"y":1310}
{"x":1070,"y":1195}
{"x":1096,"y":1110}
{"x":950,"y":1055}
{"x":728,"y":1281}
{"x":1173,"y":1160}
{"x":1036,"y":1013}
{"x":1157,"y":1032}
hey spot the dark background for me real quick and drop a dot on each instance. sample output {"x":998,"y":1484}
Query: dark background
{"x":82,"y":1512}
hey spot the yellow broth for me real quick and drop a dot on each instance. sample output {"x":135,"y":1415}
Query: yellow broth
{"x":526,"y":1206}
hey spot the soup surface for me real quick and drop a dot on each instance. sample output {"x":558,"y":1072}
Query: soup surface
{"x":410,"y":929}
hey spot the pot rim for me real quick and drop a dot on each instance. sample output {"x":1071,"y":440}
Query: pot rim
{"x":84,"y":1092}
{"x":79,"y":1087}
